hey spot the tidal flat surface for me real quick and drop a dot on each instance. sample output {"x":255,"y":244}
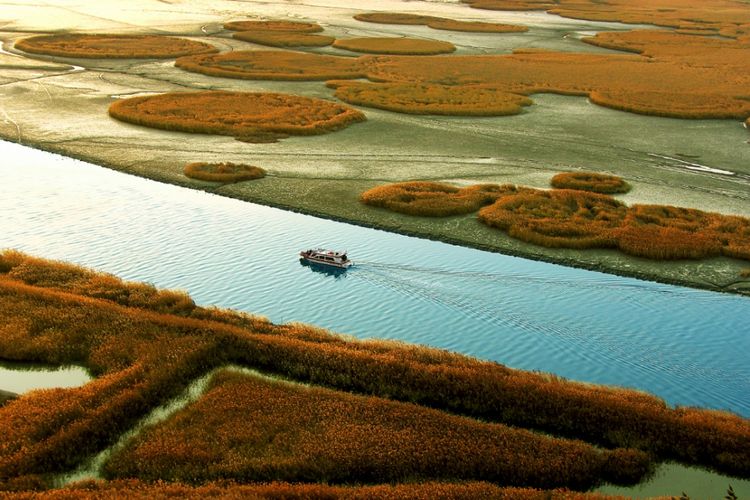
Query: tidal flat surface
{"x":23,"y":377}
{"x":703,"y":163}
{"x":678,"y":343}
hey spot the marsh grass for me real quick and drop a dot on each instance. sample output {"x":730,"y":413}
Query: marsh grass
{"x":223,"y":172}
{"x":590,"y":181}
{"x":440,"y":23}
{"x":113,"y":46}
{"x":284,"y":39}
{"x":389,"y":45}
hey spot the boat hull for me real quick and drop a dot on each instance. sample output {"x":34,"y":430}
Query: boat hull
{"x":313,"y":260}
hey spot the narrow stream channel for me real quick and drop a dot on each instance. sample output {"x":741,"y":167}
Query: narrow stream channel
{"x":684,"y":345}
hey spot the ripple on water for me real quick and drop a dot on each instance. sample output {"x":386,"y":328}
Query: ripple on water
{"x":678,"y":343}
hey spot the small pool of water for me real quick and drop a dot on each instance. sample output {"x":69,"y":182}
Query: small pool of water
{"x":684,"y":345}
{"x":24,"y":377}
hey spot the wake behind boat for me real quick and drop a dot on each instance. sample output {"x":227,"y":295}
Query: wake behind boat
{"x":326,"y":257}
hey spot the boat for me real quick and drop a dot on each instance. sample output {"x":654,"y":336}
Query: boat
{"x":326,"y":257}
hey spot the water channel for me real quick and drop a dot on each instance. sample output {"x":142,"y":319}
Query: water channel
{"x":678,"y":343}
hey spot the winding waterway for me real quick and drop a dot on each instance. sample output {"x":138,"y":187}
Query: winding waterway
{"x":684,"y":345}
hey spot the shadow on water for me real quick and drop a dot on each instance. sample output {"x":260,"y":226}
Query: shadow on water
{"x":334,"y":272}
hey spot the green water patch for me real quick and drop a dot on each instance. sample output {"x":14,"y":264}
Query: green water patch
{"x":18,"y":378}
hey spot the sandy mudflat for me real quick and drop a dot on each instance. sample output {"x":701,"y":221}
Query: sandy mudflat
{"x":44,"y":103}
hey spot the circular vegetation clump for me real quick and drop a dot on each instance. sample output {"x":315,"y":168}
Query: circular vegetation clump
{"x":590,"y":181}
{"x":395,"y":46}
{"x":238,"y":114}
{"x":279,"y":26}
{"x":223,"y":172}
{"x":284,"y":38}
{"x":113,"y":46}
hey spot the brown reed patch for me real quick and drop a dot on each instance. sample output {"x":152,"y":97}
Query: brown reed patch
{"x":284,"y":39}
{"x":439,"y":23}
{"x":745,"y":273}
{"x":274,"y":25}
{"x":140,"y":490}
{"x":303,"y":433}
{"x":590,"y":181}
{"x":223,"y":172}
{"x":274,"y":65}
{"x":238,"y":114}
{"x":113,"y":46}
{"x":390,"y":45}
{"x":144,"y":357}
{"x":433,"y":99}
{"x":433,"y":199}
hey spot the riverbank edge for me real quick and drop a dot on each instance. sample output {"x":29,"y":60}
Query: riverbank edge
{"x":703,"y":284}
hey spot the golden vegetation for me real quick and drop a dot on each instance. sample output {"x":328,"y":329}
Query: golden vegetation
{"x":433,"y":99}
{"x":725,"y":17}
{"x":113,"y":46}
{"x":439,"y":23}
{"x":239,"y":114}
{"x":590,"y":181}
{"x":284,"y":39}
{"x":139,"y":490}
{"x":745,"y":273}
{"x":433,"y":199}
{"x":223,"y":172}
{"x":273,"y":65}
{"x":274,"y":25}
{"x":143,"y":357}
{"x":306,"y":433}
{"x":571,"y":218}
{"x":390,"y":45}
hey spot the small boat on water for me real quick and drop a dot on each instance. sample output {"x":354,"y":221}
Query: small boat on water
{"x":326,"y":257}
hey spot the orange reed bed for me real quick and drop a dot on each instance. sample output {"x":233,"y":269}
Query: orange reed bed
{"x":284,"y":39}
{"x":432,"y":199}
{"x":144,"y":356}
{"x":139,"y":490}
{"x":273,"y":65}
{"x":235,"y":113}
{"x":433,"y":99}
{"x":113,"y":46}
{"x":399,"y":46}
{"x":440,"y":23}
{"x":223,"y":172}
{"x":590,"y":181}
{"x":303,"y":433}
{"x":274,"y":25}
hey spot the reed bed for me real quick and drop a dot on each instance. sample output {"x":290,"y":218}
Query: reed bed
{"x":274,"y":25}
{"x":274,"y":65}
{"x":432,"y":99}
{"x":223,"y":172}
{"x":235,"y":113}
{"x":113,"y":46}
{"x":390,"y":45}
{"x":284,"y":39}
{"x":301,"y":433}
{"x":590,"y":181}
{"x":719,"y":16}
{"x":433,"y":199}
{"x":139,"y":490}
{"x":440,"y":23}
{"x":144,"y":357}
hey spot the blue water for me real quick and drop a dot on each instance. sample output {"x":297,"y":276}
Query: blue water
{"x":688,"y":346}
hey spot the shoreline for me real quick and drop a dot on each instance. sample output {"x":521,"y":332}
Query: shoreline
{"x":543,"y":255}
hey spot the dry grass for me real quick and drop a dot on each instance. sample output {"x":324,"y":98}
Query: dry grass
{"x":143,"y":357}
{"x":440,"y":23}
{"x":113,"y":46}
{"x":284,"y":39}
{"x":745,"y":273}
{"x":238,"y":114}
{"x":433,"y":199}
{"x":434,"y":99}
{"x":399,"y":46}
{"x":223,"y":172}
{"x":274,"y":25}
{"x":590,"y":181}
{"x":303,"y":433}
{"x":273,"y":65}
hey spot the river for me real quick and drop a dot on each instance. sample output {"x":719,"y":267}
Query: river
{"x":679,"y":343}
